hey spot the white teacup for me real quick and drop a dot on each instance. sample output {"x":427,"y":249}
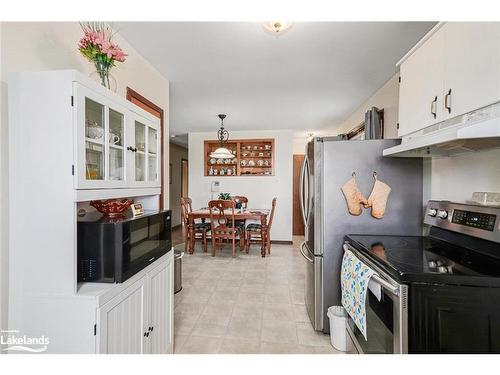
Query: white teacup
{"x":113,"y":138}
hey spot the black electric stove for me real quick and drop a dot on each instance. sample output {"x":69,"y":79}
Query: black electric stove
{"x":432,"y":259}
{"x":440,"y":292}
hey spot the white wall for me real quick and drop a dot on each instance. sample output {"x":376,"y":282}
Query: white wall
{"x":456,"y":178}
{"x":53,"y":45}
{"x":260,"y":190}
{"x":386,"y":98}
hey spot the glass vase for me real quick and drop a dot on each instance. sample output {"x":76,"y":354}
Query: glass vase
{"x":103,"y":76}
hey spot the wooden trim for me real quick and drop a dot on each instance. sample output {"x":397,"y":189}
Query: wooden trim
{"x":157,"y":111}
{"x":277,"y":242}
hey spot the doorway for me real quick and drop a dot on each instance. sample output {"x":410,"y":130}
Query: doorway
{"x":148,"y":106}
{"x":298,"y":223}
{"x":184,"y":178}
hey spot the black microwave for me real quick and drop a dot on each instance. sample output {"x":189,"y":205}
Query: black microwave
{"x":111,"y":250}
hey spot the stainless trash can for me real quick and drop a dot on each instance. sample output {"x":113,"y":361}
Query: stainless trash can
{"x":178,"y":254}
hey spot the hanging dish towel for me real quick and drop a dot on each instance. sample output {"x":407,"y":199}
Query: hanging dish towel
{"x":354,"y":279}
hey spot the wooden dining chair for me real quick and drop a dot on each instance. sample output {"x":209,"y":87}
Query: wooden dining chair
{"x":256,"y":233}
{"x":222,"y":219}
{"x":241,"y":199}
{"x":201,"y":229}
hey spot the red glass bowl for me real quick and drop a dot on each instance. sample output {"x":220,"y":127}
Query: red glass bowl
{"x":112,"y":207}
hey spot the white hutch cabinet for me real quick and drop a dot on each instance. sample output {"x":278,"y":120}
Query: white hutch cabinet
{"x":70,"y":141}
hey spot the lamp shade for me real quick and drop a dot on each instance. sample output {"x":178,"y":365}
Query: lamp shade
{"x":222,"y":153}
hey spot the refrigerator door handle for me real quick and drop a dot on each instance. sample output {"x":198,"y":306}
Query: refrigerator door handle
{"x":304,"y":254}
{"x":301,"y":191}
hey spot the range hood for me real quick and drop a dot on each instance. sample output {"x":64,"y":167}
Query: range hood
{"x":473,"y":131}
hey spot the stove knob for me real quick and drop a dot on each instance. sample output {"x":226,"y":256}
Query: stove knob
{"x":442,"y":269}
{"x":432,"y":212}
{"x":442,"y":214}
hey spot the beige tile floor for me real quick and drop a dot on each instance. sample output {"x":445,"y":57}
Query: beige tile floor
{"x":246,"y":304}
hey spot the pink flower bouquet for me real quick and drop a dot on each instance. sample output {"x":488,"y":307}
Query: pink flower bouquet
{"x":96,"y":46}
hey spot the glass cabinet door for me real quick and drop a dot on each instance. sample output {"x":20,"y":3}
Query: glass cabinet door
{"x":140,"y":151}
{"x":94,"y":140}
{"x":152,"y":154}
{"x":116,"y":134}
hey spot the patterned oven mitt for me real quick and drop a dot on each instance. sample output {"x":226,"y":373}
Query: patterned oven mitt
{"x":378,"y":198}
{"x":353,"y":196}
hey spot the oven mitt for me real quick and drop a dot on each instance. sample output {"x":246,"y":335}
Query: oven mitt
{"x":378,"y":198}
{"x":353,"y":196}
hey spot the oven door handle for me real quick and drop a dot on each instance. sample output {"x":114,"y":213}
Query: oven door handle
{"x":387,"y":286}
{"x":384,"y":283}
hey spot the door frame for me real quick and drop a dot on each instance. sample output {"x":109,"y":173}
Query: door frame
{"x":182,"y":176}
{"x":157,"y":111}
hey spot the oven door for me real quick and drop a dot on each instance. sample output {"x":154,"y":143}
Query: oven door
{"x":386,"y":320}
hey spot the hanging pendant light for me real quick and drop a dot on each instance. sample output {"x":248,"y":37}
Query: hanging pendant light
{"x":222,"y":135}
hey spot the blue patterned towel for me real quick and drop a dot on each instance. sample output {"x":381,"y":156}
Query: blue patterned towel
{"x":354,"y":279}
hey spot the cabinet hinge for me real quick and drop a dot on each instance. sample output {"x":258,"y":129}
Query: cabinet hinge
{"x":72,"y":101}
{"x":399,"y":79}
{"x":73,"y":169}
{"x":95,"y":329}
{"x":397,"y":125}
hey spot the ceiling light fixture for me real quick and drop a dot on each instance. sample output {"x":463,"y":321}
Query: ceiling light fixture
{"x":277,"y":27}
{"x":222,"y":135}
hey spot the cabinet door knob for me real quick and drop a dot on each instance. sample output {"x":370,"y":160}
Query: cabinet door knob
{"x":152,"y":329}
{"x":447,"y":101}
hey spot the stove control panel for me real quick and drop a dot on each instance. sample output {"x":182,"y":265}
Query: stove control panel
{"x":474,"y":220}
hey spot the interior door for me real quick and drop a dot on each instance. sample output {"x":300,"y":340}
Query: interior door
{"x":122,"y":322}
{"x":421,"y":87}
{"x":161,"y":296}
{"x":298,"y":223}
{"x":472,"y":61}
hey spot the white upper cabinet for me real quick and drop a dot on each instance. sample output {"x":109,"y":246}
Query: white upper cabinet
{"x":456,"y":70}
{"x":472,"y":70}
{"x":115,"y":147}
{"x":421,"y":87}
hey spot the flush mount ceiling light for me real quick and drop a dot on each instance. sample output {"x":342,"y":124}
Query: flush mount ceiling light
{"x":277,"y":27}
{"x":222,"y":136}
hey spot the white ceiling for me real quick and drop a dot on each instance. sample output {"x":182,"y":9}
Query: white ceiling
{"x":312,"y":77}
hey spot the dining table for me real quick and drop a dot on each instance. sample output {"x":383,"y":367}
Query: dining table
{"x":245,"y":214}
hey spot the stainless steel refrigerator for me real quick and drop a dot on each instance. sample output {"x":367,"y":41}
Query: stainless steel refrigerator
{"x":328,"y":164}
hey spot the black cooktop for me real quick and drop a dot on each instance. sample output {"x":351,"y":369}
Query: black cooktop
{"x":428,"y":259}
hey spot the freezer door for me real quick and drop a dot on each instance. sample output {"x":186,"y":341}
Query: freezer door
{"x":313,"y":287}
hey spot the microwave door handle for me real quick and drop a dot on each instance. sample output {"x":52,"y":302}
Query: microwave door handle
{"x":302,"y":192}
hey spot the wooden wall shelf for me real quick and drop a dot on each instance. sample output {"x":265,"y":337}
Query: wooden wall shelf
{"x":252,"y":157}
